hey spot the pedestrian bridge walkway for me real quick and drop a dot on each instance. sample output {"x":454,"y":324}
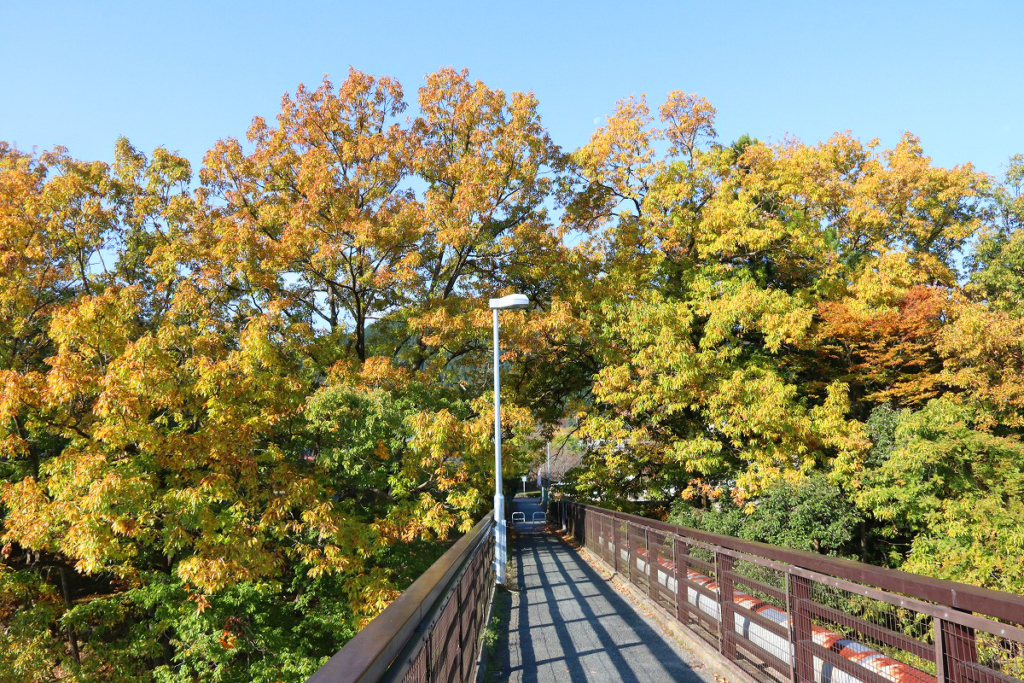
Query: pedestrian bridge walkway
{"x":633,"y":599}
{"x":567,"y":623}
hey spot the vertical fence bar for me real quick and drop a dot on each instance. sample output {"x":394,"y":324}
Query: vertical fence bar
{"x":458,"y":625}
{"x":611,"y":542}
{"x":592,"y":532}
{"x":585,"y":527}
{"x":682,"y":551}
{"x":603,"y":554}
{"x":652,"y":570}
{"x":428,"y":667}
{"x":790,"y":640}
{"x":958,"y":646}
{"x":609,"y":530}
{"x":582,"y":524}
{"x":614,"y":544}
{"x":630,"y":555}
{"x":726,"y":631}
{"x":800,"y":627}
{"x":940,"y":656}
{"x":635,"y":547}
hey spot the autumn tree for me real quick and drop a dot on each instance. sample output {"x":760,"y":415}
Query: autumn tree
{"x":758,"y":300}
{"x":239,"y":413}
{"x":244,"y":406}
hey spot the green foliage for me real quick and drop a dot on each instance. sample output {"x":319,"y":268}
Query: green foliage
{"x":997,"y":263}
{"x":811,"y":515}
{"x":881,"y":428}
{"x":956,"y":491}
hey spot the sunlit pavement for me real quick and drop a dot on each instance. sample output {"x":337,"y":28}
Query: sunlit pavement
{"x":568,"y":624}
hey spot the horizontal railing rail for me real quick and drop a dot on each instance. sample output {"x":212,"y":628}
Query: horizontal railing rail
{"x":431,"y":632}
{"x":791,"y":616}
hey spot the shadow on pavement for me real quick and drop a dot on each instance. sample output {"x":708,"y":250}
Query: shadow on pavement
{"x":568,"y":624}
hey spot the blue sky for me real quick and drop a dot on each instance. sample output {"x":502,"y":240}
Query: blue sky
{"x":185,"y":74}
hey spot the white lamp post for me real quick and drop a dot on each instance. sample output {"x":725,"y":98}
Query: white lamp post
{"x":547,"y":490}
{"x":512,"y":301}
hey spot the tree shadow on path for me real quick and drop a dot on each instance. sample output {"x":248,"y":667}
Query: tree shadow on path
{"x":569,"y":624}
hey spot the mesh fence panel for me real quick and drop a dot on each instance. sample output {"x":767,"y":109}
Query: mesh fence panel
{"x":701,"y":591}
{"x":417,"y":673}
{"x":662,"y":554}
{"x":761,"y":620}
{"x":983,"y":655}
{"x":448,"y":651}
{"x":895,"y":643}
{"x":784,"y":623}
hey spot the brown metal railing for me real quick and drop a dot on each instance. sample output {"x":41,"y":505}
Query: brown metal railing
{"x":789,"y":616}
{"x":431,"y":632}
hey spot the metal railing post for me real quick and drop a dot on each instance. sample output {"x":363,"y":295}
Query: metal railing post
{"x":458,"y":617}
{"x":956,"y":646}
{"x":940,"y":655}
{"x":726,"y":625}
{"x":682,"y":551}
{"x":584,"y":521}
{"x":651,"y":569}
{"x":790,"y":640}
{"x":428,"y":663}
{"x":614,"y":543}
{"x":609,"y":530}
{"x":630,"y":555}
{"x":800,"y":628}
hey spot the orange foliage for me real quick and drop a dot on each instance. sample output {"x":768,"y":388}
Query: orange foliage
{"x":889,"y":353}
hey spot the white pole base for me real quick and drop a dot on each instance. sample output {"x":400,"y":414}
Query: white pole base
{"x":500,"y":539}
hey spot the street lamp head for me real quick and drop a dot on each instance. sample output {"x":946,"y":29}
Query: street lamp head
{"x":510,"y":302}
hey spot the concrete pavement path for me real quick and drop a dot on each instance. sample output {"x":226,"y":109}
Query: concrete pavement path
{"x":567,"y":624}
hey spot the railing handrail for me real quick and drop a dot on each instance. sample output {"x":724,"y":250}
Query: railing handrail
{"x":960,"y":596}
{"x":367,"y":657}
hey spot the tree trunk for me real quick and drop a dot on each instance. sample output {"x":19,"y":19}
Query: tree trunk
{"x":72,"y":637}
